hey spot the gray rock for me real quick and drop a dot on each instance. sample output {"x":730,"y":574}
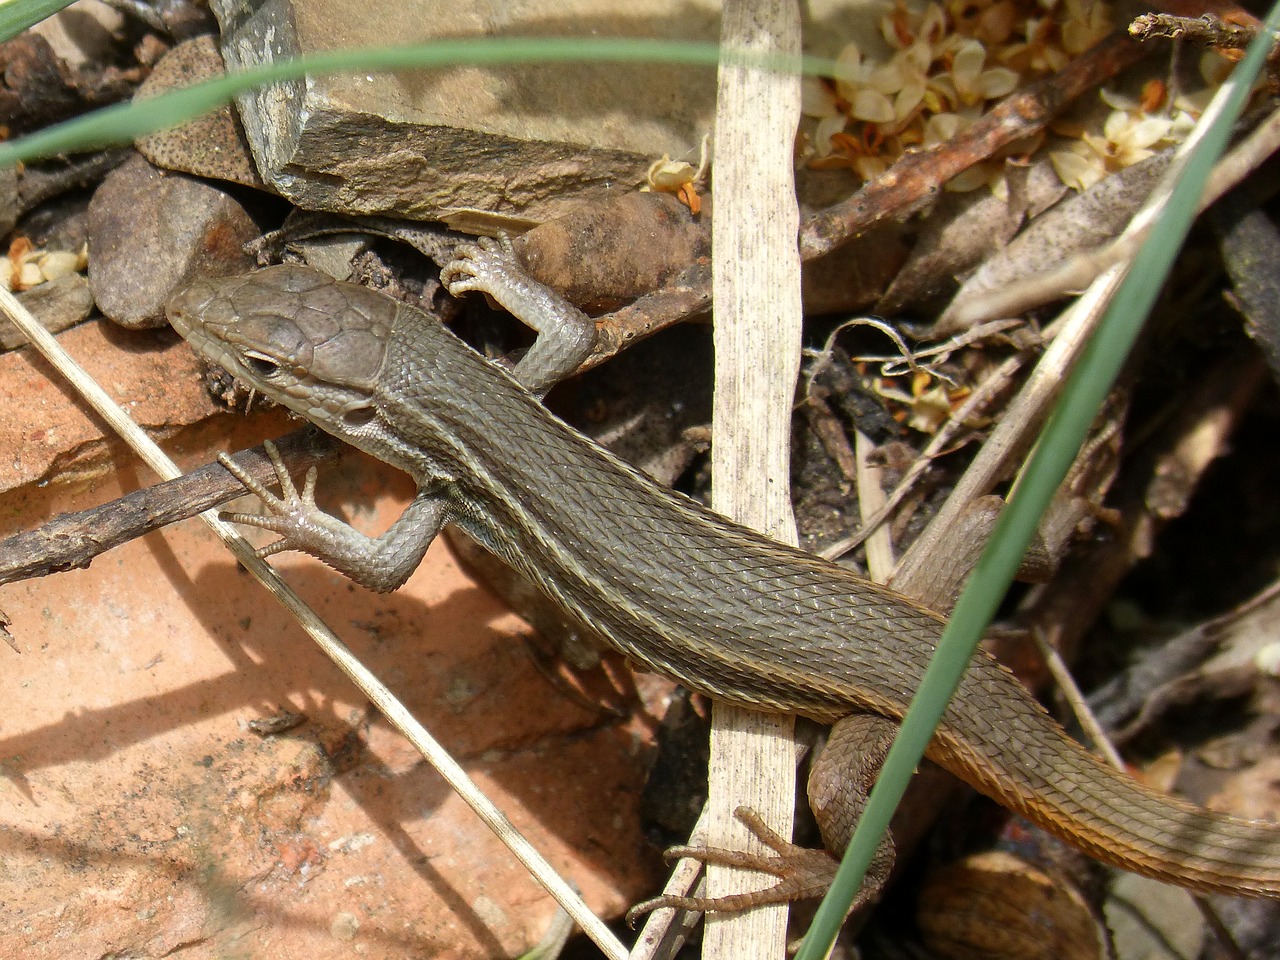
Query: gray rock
{"x":59,"y":305}
{"x":149,"y":231}
{"x":523,"y":138}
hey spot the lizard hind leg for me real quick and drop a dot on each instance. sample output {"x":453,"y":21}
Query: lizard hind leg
{"x":840,"y":777}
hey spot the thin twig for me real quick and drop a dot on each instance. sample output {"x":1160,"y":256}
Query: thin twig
{"x":1208,"y":29}
{"x":1076,"y":700}
{"x":70,"y":541}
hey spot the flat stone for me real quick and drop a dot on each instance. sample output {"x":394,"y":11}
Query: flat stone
{"x":52,"y":440}
{"x":515,"y":139}
{"x":150,"y":231}
{"x":59,"y":304}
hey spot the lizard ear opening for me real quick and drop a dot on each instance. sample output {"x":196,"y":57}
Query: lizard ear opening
{"x":357,"y":417}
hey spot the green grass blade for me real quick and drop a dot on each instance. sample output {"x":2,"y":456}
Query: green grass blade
{"x":1053,"y":455}
{"x":17,"y":15}
{"x":125,"y":122}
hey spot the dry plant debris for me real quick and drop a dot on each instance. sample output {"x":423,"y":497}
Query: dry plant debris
{"x":929,"y":71}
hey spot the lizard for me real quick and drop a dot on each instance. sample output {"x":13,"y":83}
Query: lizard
{"x":673,"y":586}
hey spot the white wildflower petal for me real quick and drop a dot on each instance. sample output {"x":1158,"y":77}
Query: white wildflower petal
{"x":1118,"y":101}
{"x":1000,"y":188}
{"x":908,"y":99}
{"x":1146,"y":133}
{"x":967,"y":63}
{"x":868,"y":168}
{"x":888,"y":33}
{"x":1214,"y":67}
{"x":1076,"y":171}
{"x":816,"y":98}
{"x":849,"y":72}
{"x":826,"y":129}
{"x":872,"y":106}
{"x":944,"y":85}
{"x":848,"y":61}
{"x":29,"y":275}
{"x":940,"y":127}
{"x":1083,"y":30}
{"x":949,"y":44}
{"x":1116,"y":126}
{"x":1132,"y":155}
{"x":1054,"y":59}
{"x":933,"y":24}
{"x":1100,"y":146}
{"x":670,"y":175}
{"x":1183,"y":124}
{"x":919,"y":55}
{"x":976,"y":176}
{"x":997,"y":82}
{"x":888,"y":79}
{"x":58,"y":263}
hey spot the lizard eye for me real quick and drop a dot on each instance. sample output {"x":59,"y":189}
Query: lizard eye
{"x":260,"y":365}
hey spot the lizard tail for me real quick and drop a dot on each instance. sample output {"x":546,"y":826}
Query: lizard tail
{"x":1019,"y":757}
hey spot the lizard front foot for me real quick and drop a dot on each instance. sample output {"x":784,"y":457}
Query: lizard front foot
{"x":302,"y":525}
{"x":379,"y":563}
{"x":566,"y":335}
{"x":478,"y":267}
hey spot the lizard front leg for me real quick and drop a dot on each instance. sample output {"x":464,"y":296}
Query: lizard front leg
{"x":379,"y":563}
{"x":566,"y":335}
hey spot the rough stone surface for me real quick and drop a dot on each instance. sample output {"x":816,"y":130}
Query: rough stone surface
{"x":58,"y":304}
{"x":51,"y":436}
{"x":141,"y":817}
{"x":520,"y":139}
{"x":150,"y":231}
{"x":209,"y":146}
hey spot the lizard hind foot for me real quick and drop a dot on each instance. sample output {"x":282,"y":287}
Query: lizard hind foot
{"x":803,"y":874}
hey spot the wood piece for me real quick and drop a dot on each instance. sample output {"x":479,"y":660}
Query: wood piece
{"x":74,"y":539}
{"x":756,"y":279}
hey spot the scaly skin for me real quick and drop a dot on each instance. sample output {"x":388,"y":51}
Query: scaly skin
{"x":671,"y":585}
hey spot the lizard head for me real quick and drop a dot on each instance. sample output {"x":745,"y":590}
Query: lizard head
{"x":293,"y":334}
